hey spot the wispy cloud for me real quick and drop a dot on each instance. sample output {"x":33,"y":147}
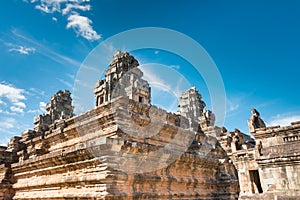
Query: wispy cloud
{"x":46,"y":51}
{"x":232,"y":105}
{"x":13,"y":94}
{"x":23,"y":50}
{"x":82,"y":25}
{"x":37,"y":92}
{"x":2,"y":102}
{"x":4,"y":141}
{"x":7,"y":125}
{"x":155,"y":80}
{"x":20,"y":104}
{"x":71,"y":76}
{"x":236,"y":103}
{"x":283,"y":119}
{"x":54,"y":19}
{"x":14,"y":97}
{"x":166,"y":82}
{"x":16,"y":109}
{"x":42,"y":106}
{"x":65,"y":82}
{"x":41,"y":109}
{"x":71,"y":7}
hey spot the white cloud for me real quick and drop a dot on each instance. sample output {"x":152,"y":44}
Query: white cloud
{"x":7,"y":123}
{"x":44,"y":8}
{"x":14,"y":96}
{"x":2,"y":102}
{"x":23,"y":50}
{"x":49,"y":6}
{"x":16,"y":109}
{"x":71,"y":7}
{"x":283,"y":120}
{"x":31,"y":1}
{"x":82,"y":26}
{"x":42,"y":106}
{"x":20,"y":104}
{"x":8,"y":126}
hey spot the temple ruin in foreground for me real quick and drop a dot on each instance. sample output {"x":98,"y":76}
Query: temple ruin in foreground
{"x":126,"y":148}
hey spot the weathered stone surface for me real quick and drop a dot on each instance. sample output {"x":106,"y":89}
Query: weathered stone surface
{"x":270,"y":169}
{"x":193,"y":108}
{"x":75,"y":168}
{"x":122,"y":78}
{"x":110,"y":152}
{"x":190,"y":105}
{"x":255,"y":121}
{"x":59,"y":108}
{"x":126,"y":148}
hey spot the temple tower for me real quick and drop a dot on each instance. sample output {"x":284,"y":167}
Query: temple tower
{"x":59,"y":107}
{"x":123,"y":78}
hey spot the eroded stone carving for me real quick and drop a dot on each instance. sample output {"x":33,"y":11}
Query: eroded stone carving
{"x":192,"y":107}
{"x":122,"y":78}
{"x":255,"y":121}
{"x":266,"y":167}
{"x":59,"y":108}
{"x":207,"y":119}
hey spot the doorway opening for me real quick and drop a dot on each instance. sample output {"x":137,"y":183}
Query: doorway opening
{"x":255,"y":182}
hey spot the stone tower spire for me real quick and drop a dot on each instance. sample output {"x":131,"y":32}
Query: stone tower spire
{"x":190,"y":105}
{"x":59,"y":107}
{"x":122,"y":78}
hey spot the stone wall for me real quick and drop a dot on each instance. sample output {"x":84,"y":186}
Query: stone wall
{"x":125,"y":148}
{"x":279,"y":159}
{"x":271,"y":168}
{"x":83,"y":161}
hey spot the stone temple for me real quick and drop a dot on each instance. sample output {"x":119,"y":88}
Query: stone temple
{"x":126,"y":148}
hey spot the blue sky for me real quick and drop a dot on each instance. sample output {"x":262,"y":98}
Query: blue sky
{"x":254,"y":44}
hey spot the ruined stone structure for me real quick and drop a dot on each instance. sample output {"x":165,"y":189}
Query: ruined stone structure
{"x":123,"y":78}
{"x":126,"y":148}
{"x":268,"y":168}
{"x":59,"y":107}
{"x":255,"y":121}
